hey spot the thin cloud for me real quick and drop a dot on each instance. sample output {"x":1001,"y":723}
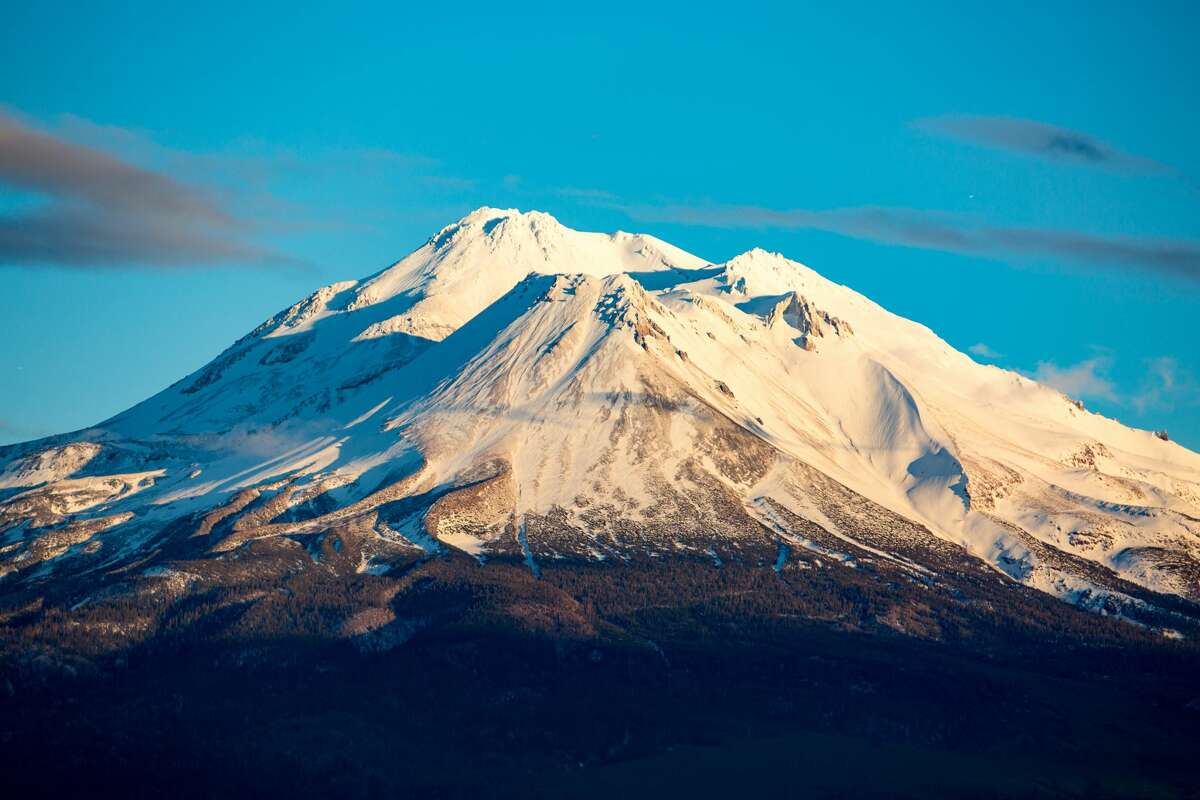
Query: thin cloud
{"x":1088,"y":378}
{"x":395,"y":158}
{"x":85,"y":237}
{"x":1166,"y":385}
{"x":1039,"y":139}
{"x":983,"y":351}
{"x":944,"y":231}
{"x":449,"y":182}
{"x":38,"y":162}
{"x":95,"y":210}
{"x":17,"y":433}
{"x":583,"y":193}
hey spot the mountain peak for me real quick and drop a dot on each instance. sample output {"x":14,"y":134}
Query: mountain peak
{"x":486,"y":219}
{"x":617,"y":381}
{"x":606,"y":424}
{"x":470,"y":264}
{"x":766,"y":265}
{"x":486,"y":213}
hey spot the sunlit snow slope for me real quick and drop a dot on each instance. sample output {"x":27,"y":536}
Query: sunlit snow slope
{"x":514,"y":387}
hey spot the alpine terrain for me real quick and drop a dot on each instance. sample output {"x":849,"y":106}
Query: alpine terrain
{"x":738,"y":500}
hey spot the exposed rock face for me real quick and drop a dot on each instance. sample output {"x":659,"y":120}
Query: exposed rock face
{"x":812,"y":323}
{"x":475,"y":512}
{"x":47,"y":464}
{"x":516,"y":390}
{"x":1087,"y":455}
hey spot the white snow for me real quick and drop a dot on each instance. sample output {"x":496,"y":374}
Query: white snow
{"x":508,"y":335}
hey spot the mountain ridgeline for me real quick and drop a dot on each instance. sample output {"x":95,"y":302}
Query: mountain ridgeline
{"x":517,"y":387}
{"x":605,"y":445}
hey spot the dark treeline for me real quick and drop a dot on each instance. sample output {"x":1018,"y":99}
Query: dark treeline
{"x":447,"y":678}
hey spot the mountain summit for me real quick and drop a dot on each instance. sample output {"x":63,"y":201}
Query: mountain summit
{"x":514,"y":389}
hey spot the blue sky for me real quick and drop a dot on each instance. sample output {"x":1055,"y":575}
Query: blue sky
{"x":1025,"y":182}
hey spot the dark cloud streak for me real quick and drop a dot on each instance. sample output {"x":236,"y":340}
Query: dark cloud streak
{"x":1040,"y":139}
{"x":97,"y":210}
{"x":86,"y":237}
{"x":946,"y":232}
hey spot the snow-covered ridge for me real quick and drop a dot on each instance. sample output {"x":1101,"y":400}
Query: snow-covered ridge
{"x":512,"y":370}
{"x":470,"y":264}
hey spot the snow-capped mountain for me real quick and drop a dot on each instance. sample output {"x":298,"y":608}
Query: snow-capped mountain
{"x":515,"y":388}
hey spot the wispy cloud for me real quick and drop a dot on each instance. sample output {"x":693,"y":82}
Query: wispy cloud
{"x":983,"y":351}
{"x":1166,"y":385}
{"x":449,"y":182}
{"x":95,"y":209}
{"x":217,"y":204}
{"x":1037,"y":139}
{"x":945,"y":231}
{"x":1087,"y":379}
{"x":15,"y":432}
{"x":583,"y":193}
